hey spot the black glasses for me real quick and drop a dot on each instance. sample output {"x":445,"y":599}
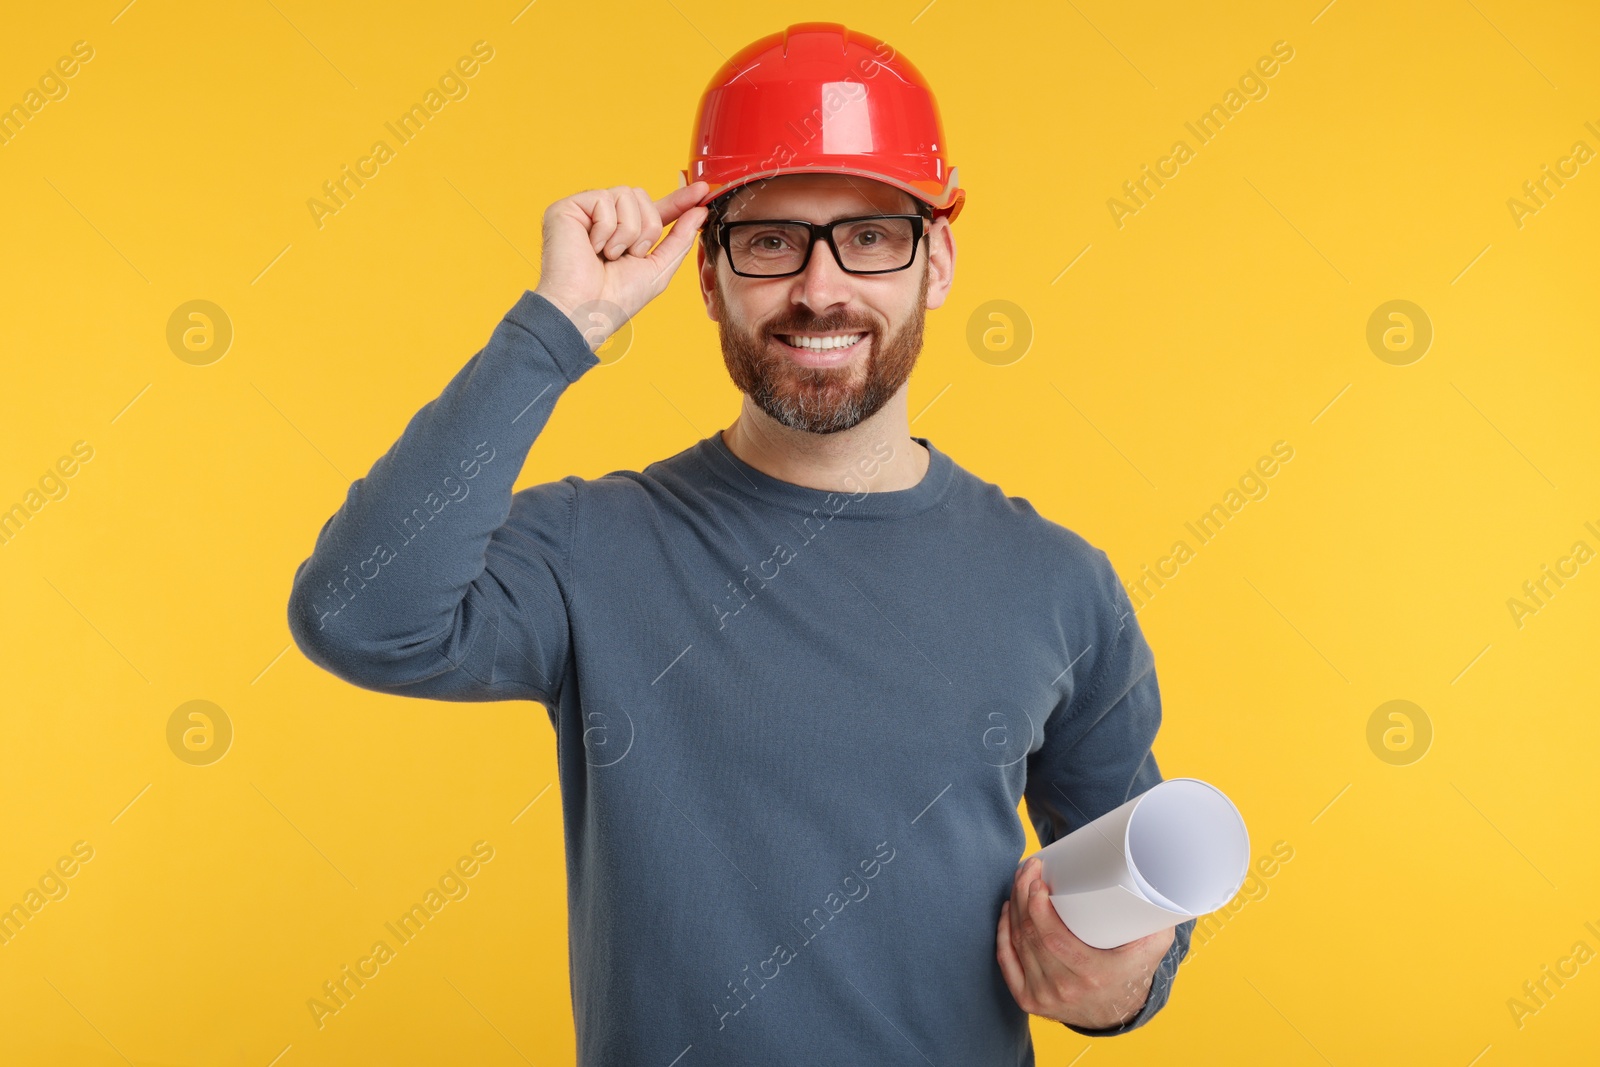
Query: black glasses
{"x":863,"y":244}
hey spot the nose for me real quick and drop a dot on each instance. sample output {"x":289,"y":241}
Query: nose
{"x":823,"y":283}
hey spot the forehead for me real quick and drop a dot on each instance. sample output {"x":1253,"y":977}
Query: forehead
{"x":817,"y":197}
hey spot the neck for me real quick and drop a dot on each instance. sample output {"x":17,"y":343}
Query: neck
{"x":844,"y":462}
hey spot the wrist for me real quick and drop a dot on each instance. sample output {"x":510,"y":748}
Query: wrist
{"x":556,"y":302}
{"x":600,"y":318}
{"x":1117,"y":1018}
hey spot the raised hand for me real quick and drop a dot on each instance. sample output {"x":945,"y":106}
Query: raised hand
{"x":598,"y":266}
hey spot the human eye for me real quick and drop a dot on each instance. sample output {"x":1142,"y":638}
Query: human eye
{"x":772,"y":240}
{"x":869,"y":233}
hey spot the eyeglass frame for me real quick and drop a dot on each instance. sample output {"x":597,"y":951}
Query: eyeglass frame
{"x":825,"y":231}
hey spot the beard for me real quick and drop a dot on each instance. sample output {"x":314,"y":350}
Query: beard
{"x":820,"y":400}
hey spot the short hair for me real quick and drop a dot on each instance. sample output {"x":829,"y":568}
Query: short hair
{"x":717,"y":209}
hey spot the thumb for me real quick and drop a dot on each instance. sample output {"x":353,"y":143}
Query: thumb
{"x":678,"y":201}
{"x":670,"y":252}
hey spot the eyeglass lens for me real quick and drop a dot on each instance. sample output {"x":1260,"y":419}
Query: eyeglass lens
{"x":780,"y":248}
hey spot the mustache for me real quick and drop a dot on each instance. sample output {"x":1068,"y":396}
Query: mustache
{"x":825,"y":324}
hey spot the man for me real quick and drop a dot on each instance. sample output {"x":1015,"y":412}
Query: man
{"x":801,"y":673}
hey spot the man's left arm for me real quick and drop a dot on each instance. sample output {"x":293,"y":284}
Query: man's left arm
{"x":1096,"y":756}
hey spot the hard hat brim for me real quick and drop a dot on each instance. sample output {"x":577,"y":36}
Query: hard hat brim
{"x":946,"y":200}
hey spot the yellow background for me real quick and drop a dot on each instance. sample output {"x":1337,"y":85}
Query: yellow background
{"x":1227,"y":314}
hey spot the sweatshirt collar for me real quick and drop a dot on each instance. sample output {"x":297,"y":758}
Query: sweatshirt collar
{"x":747,"y":480}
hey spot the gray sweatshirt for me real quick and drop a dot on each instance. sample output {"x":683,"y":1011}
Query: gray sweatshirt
{"x":793,"y":727}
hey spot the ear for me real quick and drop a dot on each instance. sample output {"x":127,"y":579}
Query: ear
{"x":707,"y":273}
{"x":941,"y":260}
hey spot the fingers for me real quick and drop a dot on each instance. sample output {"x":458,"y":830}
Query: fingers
{"x":604,"y":215}
{"x":1065,"y":950}
{"x":679,"y":201}
{"x":649,"y":223}
{"x":1041,"y":923}
{"x":627,"y":232}
{"x":1021,"y":883}
{"x":1043,"y":962}
{"x":1054,"y":934}
{"x":1025,"y":937}
{"x":670,"y":252}
{"x":624,"y":220}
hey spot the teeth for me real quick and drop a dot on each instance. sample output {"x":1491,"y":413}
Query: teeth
{"x":822,"y":344}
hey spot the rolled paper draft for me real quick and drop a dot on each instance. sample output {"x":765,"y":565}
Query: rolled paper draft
{"x":1177,"y":851}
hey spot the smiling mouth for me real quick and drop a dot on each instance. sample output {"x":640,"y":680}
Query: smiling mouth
{"x":821,"y":344}
{"x":819,"y":351}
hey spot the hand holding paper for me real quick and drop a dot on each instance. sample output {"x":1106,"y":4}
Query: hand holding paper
{"x":1051,"y":972}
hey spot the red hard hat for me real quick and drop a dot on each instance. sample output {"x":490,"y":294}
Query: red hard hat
{"x":820,"y":99}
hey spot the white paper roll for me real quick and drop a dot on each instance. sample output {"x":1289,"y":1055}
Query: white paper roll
{"x":1177,"y":851}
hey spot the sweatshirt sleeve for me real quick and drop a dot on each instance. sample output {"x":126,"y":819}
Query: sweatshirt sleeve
{"x":1097,"y":753}
{"x":433,"y":579}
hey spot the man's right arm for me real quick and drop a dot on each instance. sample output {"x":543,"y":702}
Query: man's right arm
{"x":432,"y":580}
{"x":419,"y":585}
